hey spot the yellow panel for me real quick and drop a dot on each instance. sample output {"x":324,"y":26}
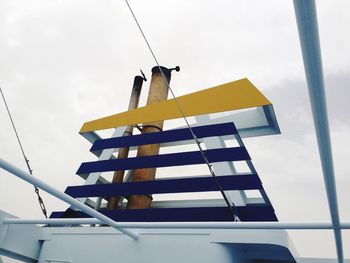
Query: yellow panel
{"x":234,"y":95}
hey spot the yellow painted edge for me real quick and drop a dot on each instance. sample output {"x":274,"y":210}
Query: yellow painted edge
{"x":234,"y":95}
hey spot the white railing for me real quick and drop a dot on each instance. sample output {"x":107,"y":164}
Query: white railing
{"x":64,"y":197}
{"x":182,"y":225}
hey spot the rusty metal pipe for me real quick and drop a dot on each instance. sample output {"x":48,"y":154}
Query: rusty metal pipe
{"x":124,"y":152}
{"x":158,"y":92}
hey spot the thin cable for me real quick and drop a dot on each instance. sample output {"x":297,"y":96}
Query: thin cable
{"x":231,"y":207}
{"x":40,"y":200}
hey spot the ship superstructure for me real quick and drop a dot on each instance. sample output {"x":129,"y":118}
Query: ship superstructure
{"x":235,"y":228}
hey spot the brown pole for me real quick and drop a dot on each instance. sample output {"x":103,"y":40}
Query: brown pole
{"x":124,"y":152}
{"x":158,"y":92}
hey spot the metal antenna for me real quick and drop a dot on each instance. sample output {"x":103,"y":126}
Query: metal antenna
{"x":143,"y":75}
{"x":40,"y":200}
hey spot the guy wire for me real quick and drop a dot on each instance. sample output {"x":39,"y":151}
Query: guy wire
{"x":40,"y":200}
{"x":230,"y":206}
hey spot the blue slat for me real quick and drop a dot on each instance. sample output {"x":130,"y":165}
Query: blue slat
{"x":165,"y":136}
{"x":164,"y":160}
{"x":198,"y":184}
{"x":188,"y":214}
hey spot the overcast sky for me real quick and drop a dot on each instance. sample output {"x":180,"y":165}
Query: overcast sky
{"x":66,"y":62}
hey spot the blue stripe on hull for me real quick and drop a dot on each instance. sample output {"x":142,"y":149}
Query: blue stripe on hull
{"x":189,"y":214}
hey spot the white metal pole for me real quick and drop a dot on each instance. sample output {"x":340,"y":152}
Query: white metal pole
{"x":64,"y":197}
{"x":306,"y":16}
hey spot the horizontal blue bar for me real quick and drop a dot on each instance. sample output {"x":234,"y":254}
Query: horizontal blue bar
{"x":165,"y":160}
{"x":165,"y":136}
{"x":197,"y":184}
{"x":187,"y":214}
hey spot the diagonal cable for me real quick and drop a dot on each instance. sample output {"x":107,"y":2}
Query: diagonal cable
{"x":231,"y":207}
{"x":40,"y":200}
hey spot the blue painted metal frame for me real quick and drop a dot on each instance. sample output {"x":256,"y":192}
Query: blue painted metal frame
{"x":165,"y":136}
{"x":257,"y":212}
{"x":165,"y":160}
{"x":197,"y":184}
{"x":184,"y":214}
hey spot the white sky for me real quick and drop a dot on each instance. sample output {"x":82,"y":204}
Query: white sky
{"x":66,"y":62}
